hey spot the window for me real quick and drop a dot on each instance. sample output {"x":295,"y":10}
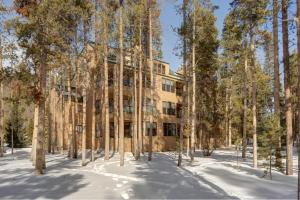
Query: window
{"x":128,"y":104}
{"x":168,"y":85}
{"x":179,"y":110}
{"x":163,"y":69}
{"x":146,"y":81}
{"x":154,"y":128}
{"x":128,"y":80}
{"x":127,"y":129}
{"x":111,"y":57}
{"x":169,"y":108}
{"x":169,"y":129}
{"x":179,"y":89}
{"x":147,"y":105}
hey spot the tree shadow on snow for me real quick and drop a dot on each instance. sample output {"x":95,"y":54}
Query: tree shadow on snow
{"x":32,"y":187}
{"x":164,"y":180}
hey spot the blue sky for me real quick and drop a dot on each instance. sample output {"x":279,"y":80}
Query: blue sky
{"x":170,"y":19}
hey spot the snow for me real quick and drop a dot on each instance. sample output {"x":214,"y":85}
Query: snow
{"x":215,"y":177}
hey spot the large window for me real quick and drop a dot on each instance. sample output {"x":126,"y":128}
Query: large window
{"x":168,"y":85}
{"x":128,"y":104}
{"x":154,"y":129}
{"x":169,"y":129}
{"x":159,"y":68}
{"x":148,"y":108}
{"x":127,"y":129}
{"x":169,"y":108}
{"x":146,"y":81}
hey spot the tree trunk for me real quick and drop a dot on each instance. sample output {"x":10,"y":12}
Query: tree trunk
{"x":121,"y":113}
{"x":185,"y":107}
{"x":34,"y":135}
{"x":140,"y":117}
{"x":2,"y":108}
{"x":229,"y":119}
{"x":193,"y":128}
{"x":106,"y":99}
{"x":151,"y":79}
{"x":254,"y":90}
{"x":91,"y":92}
{"x":276,"y":79}
{"x":287,"y":89}
{"x":135,"y":117}
{"x":298,"y":62}
{"x":245,"y":109}
{"x":40,"y":155}
{"x":116,"y":109}
{"x":62,"y":125}
{"x":70,"y":114}
{"x":50,"y":128}
{"x":83,"y":143}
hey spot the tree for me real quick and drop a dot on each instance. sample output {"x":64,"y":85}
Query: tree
{"x":276,"y":77}
{"x":287,"y":89}
{"x":121,"y":113}
{"x":298,"y":63}
{"x":269,"y":140}
{"x":15,"y":132}
{"x":150,"y":62}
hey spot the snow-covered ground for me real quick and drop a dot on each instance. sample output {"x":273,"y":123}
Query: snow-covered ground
{"x":206,"y":178}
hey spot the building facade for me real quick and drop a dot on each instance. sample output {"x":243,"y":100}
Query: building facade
{"x":166,"y":108}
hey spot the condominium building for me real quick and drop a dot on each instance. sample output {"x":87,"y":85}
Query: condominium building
{"x":166,"y":109}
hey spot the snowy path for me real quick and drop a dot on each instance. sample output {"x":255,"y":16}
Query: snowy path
{"x":207,"y":178}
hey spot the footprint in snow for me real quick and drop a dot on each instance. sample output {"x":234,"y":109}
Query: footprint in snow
{"x":119,"y":185}
{"x":115,"y":179}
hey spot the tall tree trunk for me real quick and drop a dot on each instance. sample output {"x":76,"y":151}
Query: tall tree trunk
{"x":62,"y":125}
{"x":140,"y":106}
{"x":193,"y":129}
{"x":70,"y":114}
{"x":91,"y":92}
{"x":121,"y":113}
{"x":83,"y":143}
{"x":135,"y":117}
{"x":276,"y":79}
{"x":244,"y":142}
{"x":116,"y":109}
{"x":40,"y":155}
{"x":298,"y":62}
{"x":185,"y":3}
{"x":254,"y":91}
{"x":106,"y":97}
{"x":2,"y":106}
{"x":151,"y":78}
{"x":226,"y":115}
{"x":50,"y":102}
{"x":229,"y":117}
{"x":287,"y":89}
{"x":34,"y":135}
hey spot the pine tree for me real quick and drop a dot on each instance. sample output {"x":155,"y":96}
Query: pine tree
{"x":287,"y":89}
{"x":276,"y":77}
